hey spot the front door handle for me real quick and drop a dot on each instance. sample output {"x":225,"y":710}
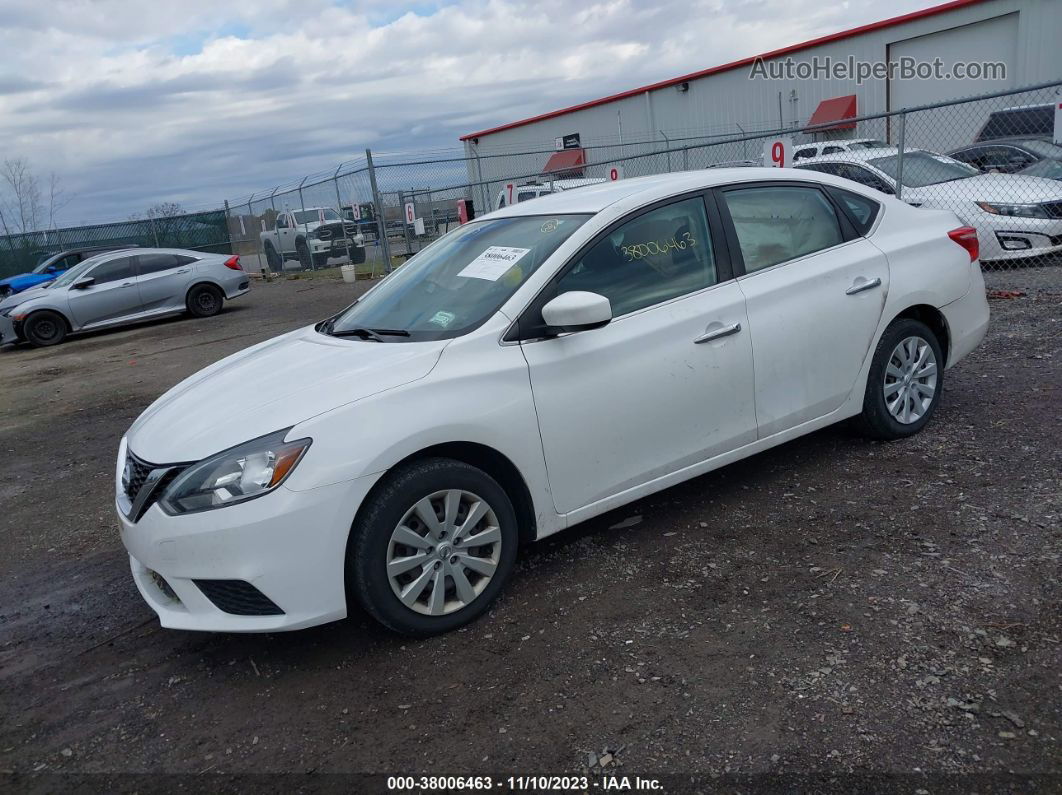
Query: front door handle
{"x":128,"y":284}
{"x":718,"y":333}
{"x":859,"y":287}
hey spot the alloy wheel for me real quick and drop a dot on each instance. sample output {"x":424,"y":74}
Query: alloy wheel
{"x":444,"y":552}
{"x":910,"y":380}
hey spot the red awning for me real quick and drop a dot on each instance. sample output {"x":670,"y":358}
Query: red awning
{"x":565,"y":160}
{"x":836,"y":109}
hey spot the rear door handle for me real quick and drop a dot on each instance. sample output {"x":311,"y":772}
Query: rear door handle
{"x":718,"y":333}
{"x":128,"y":284}
{"x":860,"y":287}
{"x":184,"y":270}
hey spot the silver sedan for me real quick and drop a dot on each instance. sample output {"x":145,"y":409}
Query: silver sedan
{"x":121,"y":287}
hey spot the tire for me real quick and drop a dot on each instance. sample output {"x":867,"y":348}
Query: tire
{"x":204,"y":300}
{"x":357,"y":255}
{"x":302,"y":251}
{"x":273,"y":260}
{"x":45,"y":328}
{"x":905,"y":382}
{"x":320,"y":260}
{"x":378,"y":532}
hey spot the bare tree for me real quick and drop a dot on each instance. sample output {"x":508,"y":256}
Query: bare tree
{"x":24,"y":204}
{"x":57,"y":198}
{"x":165,"y":210}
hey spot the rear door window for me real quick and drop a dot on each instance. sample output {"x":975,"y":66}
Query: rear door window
{"x":156,"y":263}
{"x":776,"y":224}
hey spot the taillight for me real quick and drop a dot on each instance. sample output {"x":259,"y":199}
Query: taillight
{"x":234,"y":262}
{"x":966,"y":236}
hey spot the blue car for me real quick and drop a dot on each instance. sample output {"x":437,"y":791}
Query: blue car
{"x":50,"y":268}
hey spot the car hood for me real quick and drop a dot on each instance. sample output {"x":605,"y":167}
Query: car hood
{"x":25,"y":295}
{"x":1013,"y":188}
{"x":273,"y":385}
{"x":21,"y":281}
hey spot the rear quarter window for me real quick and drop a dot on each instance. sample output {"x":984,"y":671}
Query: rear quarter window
{"x":861,"y":211}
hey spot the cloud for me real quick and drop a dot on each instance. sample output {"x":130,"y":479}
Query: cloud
{"x":198,"y":101}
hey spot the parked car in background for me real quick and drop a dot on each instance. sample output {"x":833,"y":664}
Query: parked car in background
{"x":312,"y":236}
{"x":804,"y":151}
{"x":1023,"y":121}
{"x":51,"y":267}
{"x":121,"y":287}
{"x":534,"y":368}
{"x":1015,"y":216}
{"x":1030,"y":156}
{"x":532,"y":190}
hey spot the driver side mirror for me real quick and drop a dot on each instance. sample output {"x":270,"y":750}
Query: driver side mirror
{"x":577,"y":311}
{"x":84,"y":283}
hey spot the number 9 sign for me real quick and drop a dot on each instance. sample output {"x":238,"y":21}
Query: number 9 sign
{"x":778,"y":153}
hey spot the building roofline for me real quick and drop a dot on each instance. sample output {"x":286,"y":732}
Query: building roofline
{"x":844,"y":34}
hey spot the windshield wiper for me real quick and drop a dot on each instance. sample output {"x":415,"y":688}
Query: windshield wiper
{"x":375,"y":334}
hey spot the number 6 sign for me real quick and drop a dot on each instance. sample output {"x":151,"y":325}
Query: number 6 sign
{"x":778,"y":153}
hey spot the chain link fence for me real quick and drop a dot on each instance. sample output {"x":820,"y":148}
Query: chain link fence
{"x":202,"y":231}
{"x":989,"y":159}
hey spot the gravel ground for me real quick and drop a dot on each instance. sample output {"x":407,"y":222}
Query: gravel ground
{"x":882,"y":613}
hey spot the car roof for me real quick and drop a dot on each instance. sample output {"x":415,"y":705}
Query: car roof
{"x":595,"y":198}
{"x":834,"y":142}
{"x":861,"y":155}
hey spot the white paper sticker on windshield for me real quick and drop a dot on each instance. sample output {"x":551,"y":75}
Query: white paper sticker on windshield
{"x":493,"y":263}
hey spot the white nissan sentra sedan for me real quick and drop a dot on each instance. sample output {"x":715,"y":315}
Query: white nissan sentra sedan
{"x":534,"y":368}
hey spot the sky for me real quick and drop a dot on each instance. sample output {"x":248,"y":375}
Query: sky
{"x":132,"y":102}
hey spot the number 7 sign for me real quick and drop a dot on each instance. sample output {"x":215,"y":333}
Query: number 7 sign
{"x":778,"y":153}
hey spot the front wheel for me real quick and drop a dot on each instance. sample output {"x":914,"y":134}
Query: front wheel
{"x":432,"y":547}
{"x":44,"y":328}
{"x":905,"y":381}
{"x":302,"y":251}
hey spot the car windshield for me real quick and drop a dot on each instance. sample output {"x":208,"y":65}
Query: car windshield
{"x":923,"y":168}
{"x":455,"y":284}
{"x":866,"y":145}
{"x":71,"y":275}
{"x":313,"y":216}
{"x":43,"y":267}
{"x":1051,"y":169}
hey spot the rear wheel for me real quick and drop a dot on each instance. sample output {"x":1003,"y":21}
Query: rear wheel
{"x":905,"y":381}
{"x":44,"y":328}
{"x":432,"y":547}
{"x":204,"y":300}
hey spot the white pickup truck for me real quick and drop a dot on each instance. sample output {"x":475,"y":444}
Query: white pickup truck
{"x":312,"y":236}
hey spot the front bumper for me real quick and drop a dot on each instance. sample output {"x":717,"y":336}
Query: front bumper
{"x":1008,"y":237}
{"x":289,"y":545}
{"x":7,"y":331}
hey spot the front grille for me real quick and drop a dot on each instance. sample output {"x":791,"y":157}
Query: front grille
{"x":136,"y":472}
{"x":238,"y":598}
{"x":1053,"y":209}
{"x":137,"y":476}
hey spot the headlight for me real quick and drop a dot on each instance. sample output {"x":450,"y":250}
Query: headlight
{"x":1016,"y":210}
{"x":236,"y":475}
